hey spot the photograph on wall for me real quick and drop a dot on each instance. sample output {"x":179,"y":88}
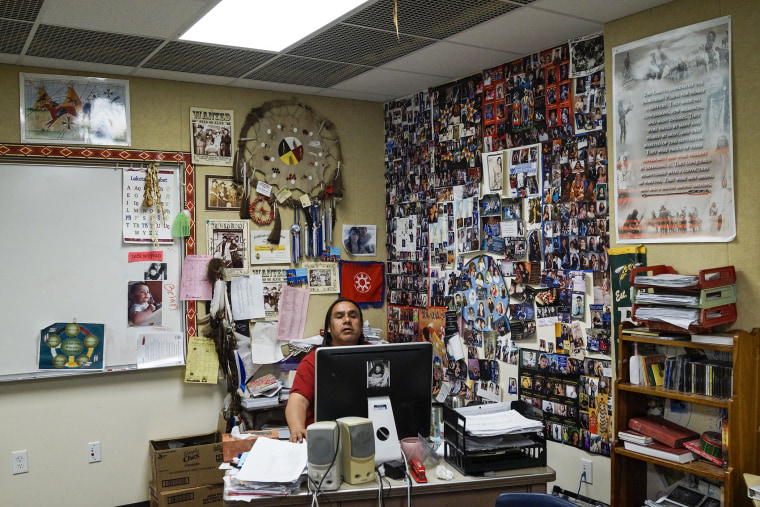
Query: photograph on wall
{"x":323,"y":278}
{"x":211,"y":132}
{"x":74,"y":110}
{"x":144,"y":302}
{"x":228,"y":240}
{"x":360,"y":239}
{"x":673,"y":137}
{"x":72,"y":346}
{"x":493,"y":175}
{"x":222,"y":193}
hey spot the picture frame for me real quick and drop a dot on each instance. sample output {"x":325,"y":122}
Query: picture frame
{"x":74,"y":110}
{"x":222,"y":193}
{"x":211,"y":136}
{"x":229,"y":240}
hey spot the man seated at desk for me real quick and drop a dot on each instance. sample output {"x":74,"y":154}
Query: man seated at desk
{"x":343,"y":326}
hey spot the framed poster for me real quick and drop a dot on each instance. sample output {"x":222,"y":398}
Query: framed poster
{"x":229,"y":240}
{"x":74,"y":110}
{"x":222,"y":193}
{"x":211,"y":132}
{"x":673,"y":136}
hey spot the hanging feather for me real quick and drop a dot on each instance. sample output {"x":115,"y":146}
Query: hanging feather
{"x":395,"y":18}
{"x":337,"y":183}
{"x":274,"y":236}
{"x":245,"y":201}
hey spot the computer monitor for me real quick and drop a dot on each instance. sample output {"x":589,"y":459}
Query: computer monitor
{"x":346,"y":377}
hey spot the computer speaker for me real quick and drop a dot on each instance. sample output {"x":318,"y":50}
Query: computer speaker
{"x":357,"y":442}
{"x":323,"y":459}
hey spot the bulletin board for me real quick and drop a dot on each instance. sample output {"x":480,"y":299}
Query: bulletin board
{"x":65,"y":259}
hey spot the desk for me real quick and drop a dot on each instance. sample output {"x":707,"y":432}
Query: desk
{"x":462,"y":490}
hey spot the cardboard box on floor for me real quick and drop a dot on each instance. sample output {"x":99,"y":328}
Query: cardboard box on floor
{"x":186,"y":462}
{"x":211,"y":495}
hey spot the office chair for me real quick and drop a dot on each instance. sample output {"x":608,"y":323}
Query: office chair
{"x":531,"y":500}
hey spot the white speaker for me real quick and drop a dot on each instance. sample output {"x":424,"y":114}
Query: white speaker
{"x":357,"y":449}
{"x":323,"y":459}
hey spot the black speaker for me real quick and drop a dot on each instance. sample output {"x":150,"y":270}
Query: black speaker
{"x":323,"y":459}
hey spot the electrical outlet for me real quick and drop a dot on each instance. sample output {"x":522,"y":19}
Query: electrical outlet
{"x":19,"y":462}
{"x":93,"y":452}
{"x":587,"y":468}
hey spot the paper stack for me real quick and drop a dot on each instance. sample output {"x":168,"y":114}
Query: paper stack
{"x":271,"y":467}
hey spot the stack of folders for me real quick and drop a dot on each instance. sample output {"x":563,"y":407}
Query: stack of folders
{"x":667,"y":439}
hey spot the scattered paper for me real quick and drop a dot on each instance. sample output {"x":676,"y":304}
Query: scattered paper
{"x":294,"y":303}
{"x":155,"y":350}
{"x":264,"y":346}
{"x":272,"y":460}
{"x":202,"y":361}
{"x":247,"y":297}
{"x":194,"y":285}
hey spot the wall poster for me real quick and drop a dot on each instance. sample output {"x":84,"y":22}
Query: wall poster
{"x":673,"y":139}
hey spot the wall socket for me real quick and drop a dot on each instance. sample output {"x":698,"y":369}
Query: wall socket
{"x":93,"y":452}
{"x":587,"y":468}
{"x":19,"y":462}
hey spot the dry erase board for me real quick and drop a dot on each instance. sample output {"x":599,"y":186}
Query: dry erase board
{"x":65,"y":260}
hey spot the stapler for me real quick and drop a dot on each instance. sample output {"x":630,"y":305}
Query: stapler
{"x":417,"y":469}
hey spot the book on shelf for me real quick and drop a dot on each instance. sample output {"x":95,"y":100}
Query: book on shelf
{"x":635,"y":437}
{"x":713,"y":338}
{"x":654,"y":366}
{"x":662,"y":430}
{"x":261,"y":384}
{"x":658,"y":450}
{"x":694,"y":446}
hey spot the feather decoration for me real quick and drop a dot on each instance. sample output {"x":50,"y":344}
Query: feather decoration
{"x":337,"y":183}
{"x":245,"y":201}
{"x":274,"y":236}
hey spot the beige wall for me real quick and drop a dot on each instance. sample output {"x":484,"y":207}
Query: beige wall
{"x":55,"y":419}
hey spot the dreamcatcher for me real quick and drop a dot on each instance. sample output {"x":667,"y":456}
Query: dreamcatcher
{"x":294,"y":149}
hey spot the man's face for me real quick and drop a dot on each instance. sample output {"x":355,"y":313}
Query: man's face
{"x":345,"y":324}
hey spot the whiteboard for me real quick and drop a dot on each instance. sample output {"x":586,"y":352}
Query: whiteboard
{"x":65,"y":261}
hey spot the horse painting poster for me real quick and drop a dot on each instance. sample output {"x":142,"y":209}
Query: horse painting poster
{"x":211,"y":134}
{"x":74,"y":110}
{"x":673,"y":139}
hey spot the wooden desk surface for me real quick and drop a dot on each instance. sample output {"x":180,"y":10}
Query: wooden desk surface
{"x":471,"y":490}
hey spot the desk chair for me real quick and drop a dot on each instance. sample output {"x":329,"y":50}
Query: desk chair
{"x":531,"y":500}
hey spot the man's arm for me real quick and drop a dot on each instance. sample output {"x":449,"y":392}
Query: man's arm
{"x":295,"y":413}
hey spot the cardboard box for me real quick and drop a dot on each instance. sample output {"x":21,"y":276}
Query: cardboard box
{"x":234,"y":446}
{"x":186,"y":462}
{"x":203,"y":496}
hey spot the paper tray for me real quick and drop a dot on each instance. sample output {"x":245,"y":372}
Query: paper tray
{"x":708,"y":318}
{"x":708,"y":278}
{"x":708,"y":298}
{"x":475,"y":455}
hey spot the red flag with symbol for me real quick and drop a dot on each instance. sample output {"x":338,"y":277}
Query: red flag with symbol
{"x":363,"y":282}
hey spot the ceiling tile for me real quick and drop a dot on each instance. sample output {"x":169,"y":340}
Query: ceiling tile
{"x":361,"y":46}
{"x":148,"y":18}
{"x":305,"y":71}
{"x":423,"y":18}
{"x":204,"y":59}
{"x":445,"y":59}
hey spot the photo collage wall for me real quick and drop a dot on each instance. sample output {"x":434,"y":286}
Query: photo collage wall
{"x":497,"y":215}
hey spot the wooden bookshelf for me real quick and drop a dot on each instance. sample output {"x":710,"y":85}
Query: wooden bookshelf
{"x":629,"y":468}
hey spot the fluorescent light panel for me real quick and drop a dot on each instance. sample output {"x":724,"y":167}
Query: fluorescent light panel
{"x":269,"y":25}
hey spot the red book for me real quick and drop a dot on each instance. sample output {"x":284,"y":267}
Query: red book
{"x":693,"y":446}
{"x":662,"y":430}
